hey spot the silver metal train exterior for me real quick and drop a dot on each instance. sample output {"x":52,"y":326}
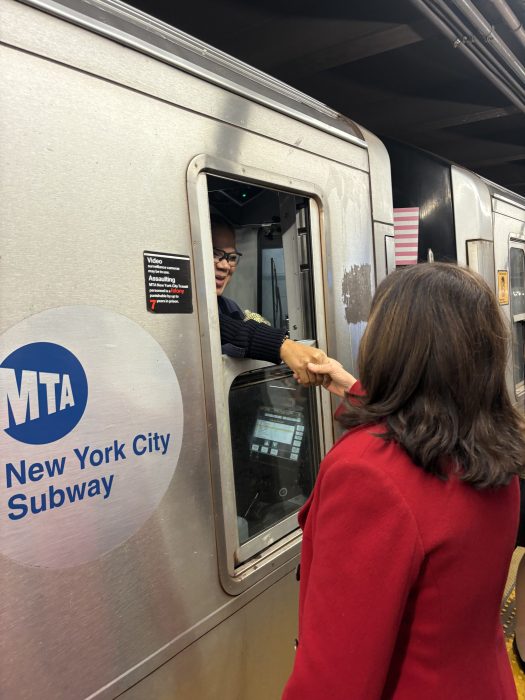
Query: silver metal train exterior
{"x":128,"y":441}
{"x":466,"y":218}
{"x":126,"y":568}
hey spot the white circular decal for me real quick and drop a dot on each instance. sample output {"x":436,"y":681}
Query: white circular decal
{"x":91,"y":424}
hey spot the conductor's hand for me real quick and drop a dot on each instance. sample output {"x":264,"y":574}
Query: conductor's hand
{"x":298,"y":357}
{"x":335,"y":378}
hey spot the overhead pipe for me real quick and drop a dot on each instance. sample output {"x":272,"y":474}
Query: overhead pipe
{"x":479,"y":48}
{"x":510,"y":18}
{"x":460,"y":44}
{"x":489,"y":34}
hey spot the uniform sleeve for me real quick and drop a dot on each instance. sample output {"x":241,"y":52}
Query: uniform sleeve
{"x":365,"y":557}
{"x":250,"y":339}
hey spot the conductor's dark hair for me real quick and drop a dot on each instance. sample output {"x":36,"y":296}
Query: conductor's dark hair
{"x":219,"y":221}
{"x":432,"y":364}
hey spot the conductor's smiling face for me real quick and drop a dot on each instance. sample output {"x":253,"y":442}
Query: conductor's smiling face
{"x":223,"y":239}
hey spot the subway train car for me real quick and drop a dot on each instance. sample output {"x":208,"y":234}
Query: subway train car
{"x":465,"y":218}
{"x":149,"y":485}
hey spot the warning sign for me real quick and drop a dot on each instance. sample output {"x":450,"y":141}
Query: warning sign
{"x":503,"y":287}
{"x":168,"y":283}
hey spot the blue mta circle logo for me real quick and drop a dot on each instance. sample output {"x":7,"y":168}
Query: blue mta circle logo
{"x":43,"y":393}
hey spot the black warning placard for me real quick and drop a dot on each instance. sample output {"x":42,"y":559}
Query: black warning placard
{"x":168,"y":283}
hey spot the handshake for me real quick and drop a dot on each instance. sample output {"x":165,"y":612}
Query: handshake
{"x":312,"y":367}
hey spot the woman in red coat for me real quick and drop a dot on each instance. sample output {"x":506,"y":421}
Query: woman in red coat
{"x":409,"y":531}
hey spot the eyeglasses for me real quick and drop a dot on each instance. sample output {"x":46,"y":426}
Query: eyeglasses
{"x":231,"y":258}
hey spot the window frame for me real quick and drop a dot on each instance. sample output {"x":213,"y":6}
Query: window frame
{"x":280,"y":544}
{"x":515,"y":319}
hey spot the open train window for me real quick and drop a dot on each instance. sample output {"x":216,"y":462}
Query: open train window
{"x":273,"y":420}
{"x":517,"y":311}
{"x":272,"y":231}
{"x":266,"y":432}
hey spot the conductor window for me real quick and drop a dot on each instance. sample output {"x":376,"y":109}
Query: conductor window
{"x":274,"y":420}
{"x":273,"y":276}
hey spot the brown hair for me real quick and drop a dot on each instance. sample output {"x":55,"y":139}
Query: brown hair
{"x":432,"y":365}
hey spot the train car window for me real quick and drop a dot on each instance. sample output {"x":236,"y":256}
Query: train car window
{"x":517,"y":310}
{"x":275,"y":452}
{"x":274,"y":423}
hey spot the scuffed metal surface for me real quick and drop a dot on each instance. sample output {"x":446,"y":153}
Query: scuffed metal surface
{"x":356,"y":293}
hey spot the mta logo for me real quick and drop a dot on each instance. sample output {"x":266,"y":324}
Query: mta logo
{"x":43,"y":393}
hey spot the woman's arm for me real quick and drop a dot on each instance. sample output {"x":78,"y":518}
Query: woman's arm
{"x":335,"y":378}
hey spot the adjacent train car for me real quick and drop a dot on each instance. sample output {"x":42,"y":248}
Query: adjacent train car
{"x":465,"y":218}
{"x":149,"y":485}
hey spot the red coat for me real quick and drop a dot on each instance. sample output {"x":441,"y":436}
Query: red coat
{"x":402,"y":577}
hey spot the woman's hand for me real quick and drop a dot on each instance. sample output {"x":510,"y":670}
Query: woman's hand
{"x":335,"y":378}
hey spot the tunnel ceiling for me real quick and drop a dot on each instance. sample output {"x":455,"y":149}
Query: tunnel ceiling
{"x":387,"y":65}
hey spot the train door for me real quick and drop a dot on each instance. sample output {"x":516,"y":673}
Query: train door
{"x":268,"y":433}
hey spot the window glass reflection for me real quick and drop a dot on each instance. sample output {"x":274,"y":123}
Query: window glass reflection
{"x":275,"y":453}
